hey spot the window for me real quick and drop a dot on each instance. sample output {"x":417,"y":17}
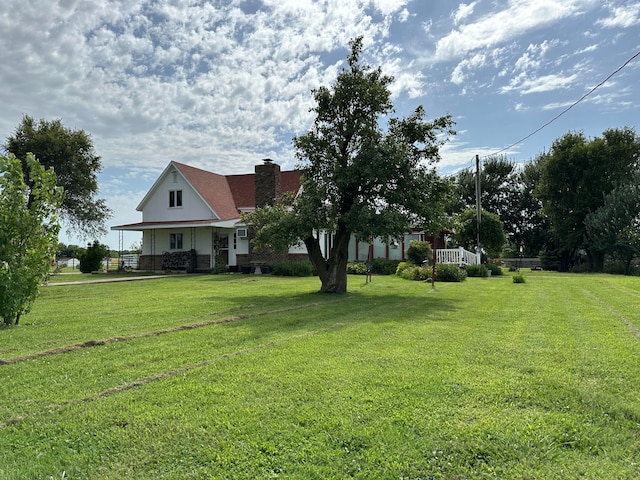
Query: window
{"x":175,"y":198}
{"x":175,"y":241}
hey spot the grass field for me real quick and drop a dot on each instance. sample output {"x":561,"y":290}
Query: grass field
{"x":254,"y":377}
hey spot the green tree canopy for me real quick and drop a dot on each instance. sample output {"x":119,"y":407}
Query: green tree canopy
{"x":28,"y":233}
{"x":615,"y":227}
{"x":91,"y":259}
{"x":532,"y":226}
{"x":576,"y":176}
{"x":72,"y":156}
{"x":358,"y":178}
{"x":492,"y":236}
{"x":498,"y":193}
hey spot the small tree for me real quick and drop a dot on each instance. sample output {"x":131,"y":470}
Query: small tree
{"x":28,"y":233}
{"x":71,"y":154}
{"x":419,"y":251}
{"x":492,"y":236}
{"x":91,"y":260}
{"x":358,"y":178}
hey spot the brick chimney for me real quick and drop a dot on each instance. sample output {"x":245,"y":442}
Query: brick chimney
{"x":267,"y":180}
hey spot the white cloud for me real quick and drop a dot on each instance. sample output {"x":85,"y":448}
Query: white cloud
{"x":519,"y":17}
{"x":623,"y":16}
{"x":543,"y":83}
{"x":186,"y":79}
{"x":587,"y":49}
{"x":390,"y":7}
{"x":475,"y":62}
{"x":463,"y":12}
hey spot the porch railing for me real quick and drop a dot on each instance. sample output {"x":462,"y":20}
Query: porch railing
{"x":459,"y":256}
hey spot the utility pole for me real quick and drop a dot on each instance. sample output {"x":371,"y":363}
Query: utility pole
{"x":478,"y":207}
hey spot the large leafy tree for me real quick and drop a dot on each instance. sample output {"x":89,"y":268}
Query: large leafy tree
{"x":576,"y":175}
{"x":615,"y":227}
{"x":358,"y":178}
{"x":507,"y":191}
{"x":71,"y":154}
{"x":492,"y":234}
{"x":531,"y":230}
{"x":498,"y":189}
{"x":28,"y":233}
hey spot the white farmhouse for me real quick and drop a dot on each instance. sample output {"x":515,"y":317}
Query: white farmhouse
{"x":191,"y":220}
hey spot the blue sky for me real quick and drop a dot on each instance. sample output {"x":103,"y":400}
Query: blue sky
{"x":222,"y":84}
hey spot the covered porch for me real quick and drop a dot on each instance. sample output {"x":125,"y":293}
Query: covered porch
{"x":193,"y":246}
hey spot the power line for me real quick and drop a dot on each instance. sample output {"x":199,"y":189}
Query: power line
{"x":568,"y":108}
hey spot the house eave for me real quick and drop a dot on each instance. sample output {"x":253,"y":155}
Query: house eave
{"x":137,"y":227}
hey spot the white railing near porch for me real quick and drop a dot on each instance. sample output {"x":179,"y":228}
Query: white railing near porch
{"x":459,"y":256}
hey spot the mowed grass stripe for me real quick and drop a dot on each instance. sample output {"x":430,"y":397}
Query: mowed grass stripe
{"x":154,"y":333}
{"x":485,"y":379}
{"x":76,"y":314}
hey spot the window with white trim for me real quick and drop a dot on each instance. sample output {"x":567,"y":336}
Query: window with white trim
{"x":175,"y":241}
{"x":175,"y":198}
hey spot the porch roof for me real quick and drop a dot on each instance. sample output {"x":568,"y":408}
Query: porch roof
{"x":178,"y":224}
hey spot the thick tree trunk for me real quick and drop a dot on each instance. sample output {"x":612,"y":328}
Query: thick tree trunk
{"x":332,"y":271}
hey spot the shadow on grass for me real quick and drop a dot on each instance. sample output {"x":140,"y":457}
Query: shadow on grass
{"x":269,"y":308}
{"x":267,"y":313}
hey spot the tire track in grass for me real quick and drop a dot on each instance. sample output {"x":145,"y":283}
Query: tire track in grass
{"x":167,"y":374}
{"x":625,"y":290}
{"x":630,"y":325}
{"x":155,"y":333}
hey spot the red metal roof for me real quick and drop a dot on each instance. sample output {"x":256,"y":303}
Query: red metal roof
{"x":243,"y":187}
{"x":227,"y":194}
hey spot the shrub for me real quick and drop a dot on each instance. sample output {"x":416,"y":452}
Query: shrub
{"x":494,"y":269}
{"x":383,"y":266}
{"x":357,"y":268}
{"x":419,"y":251}
{"x":91,"y":260}
{"x":219,"y":267}
{"x":477,"y":270}
{"x":448,"y":272}
{"x":292,"y":268}
{"x":411,"y":272}
{"x":402,"y":266}
{"x":518,"y":278}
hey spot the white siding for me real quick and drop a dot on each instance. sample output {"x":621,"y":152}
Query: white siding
{"x":156,"y":208}
{"x":203,"y":244}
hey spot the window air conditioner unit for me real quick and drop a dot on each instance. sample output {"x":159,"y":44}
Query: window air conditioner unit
{"x":241,"y":233}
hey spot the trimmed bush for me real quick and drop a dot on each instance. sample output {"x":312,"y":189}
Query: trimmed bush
{"x":477,"y":271}
{"x":419,"y":251}
{"x":357,"y":268}
{"x":411,"y":272}
{"x":383,"y":266}
{"x":293,"y":269}
{"x":494,"y":269}
{"x":402,"y":266}
{"x":449,"y":272}
{"x":518,"y":278}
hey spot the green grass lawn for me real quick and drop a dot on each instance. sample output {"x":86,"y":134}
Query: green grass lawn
{"x":241,"y":376}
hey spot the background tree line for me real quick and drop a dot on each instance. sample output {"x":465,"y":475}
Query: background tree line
{"x":576,"y":206}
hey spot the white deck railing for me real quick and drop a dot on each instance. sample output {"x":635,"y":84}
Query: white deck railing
{"x":459,"y":256}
